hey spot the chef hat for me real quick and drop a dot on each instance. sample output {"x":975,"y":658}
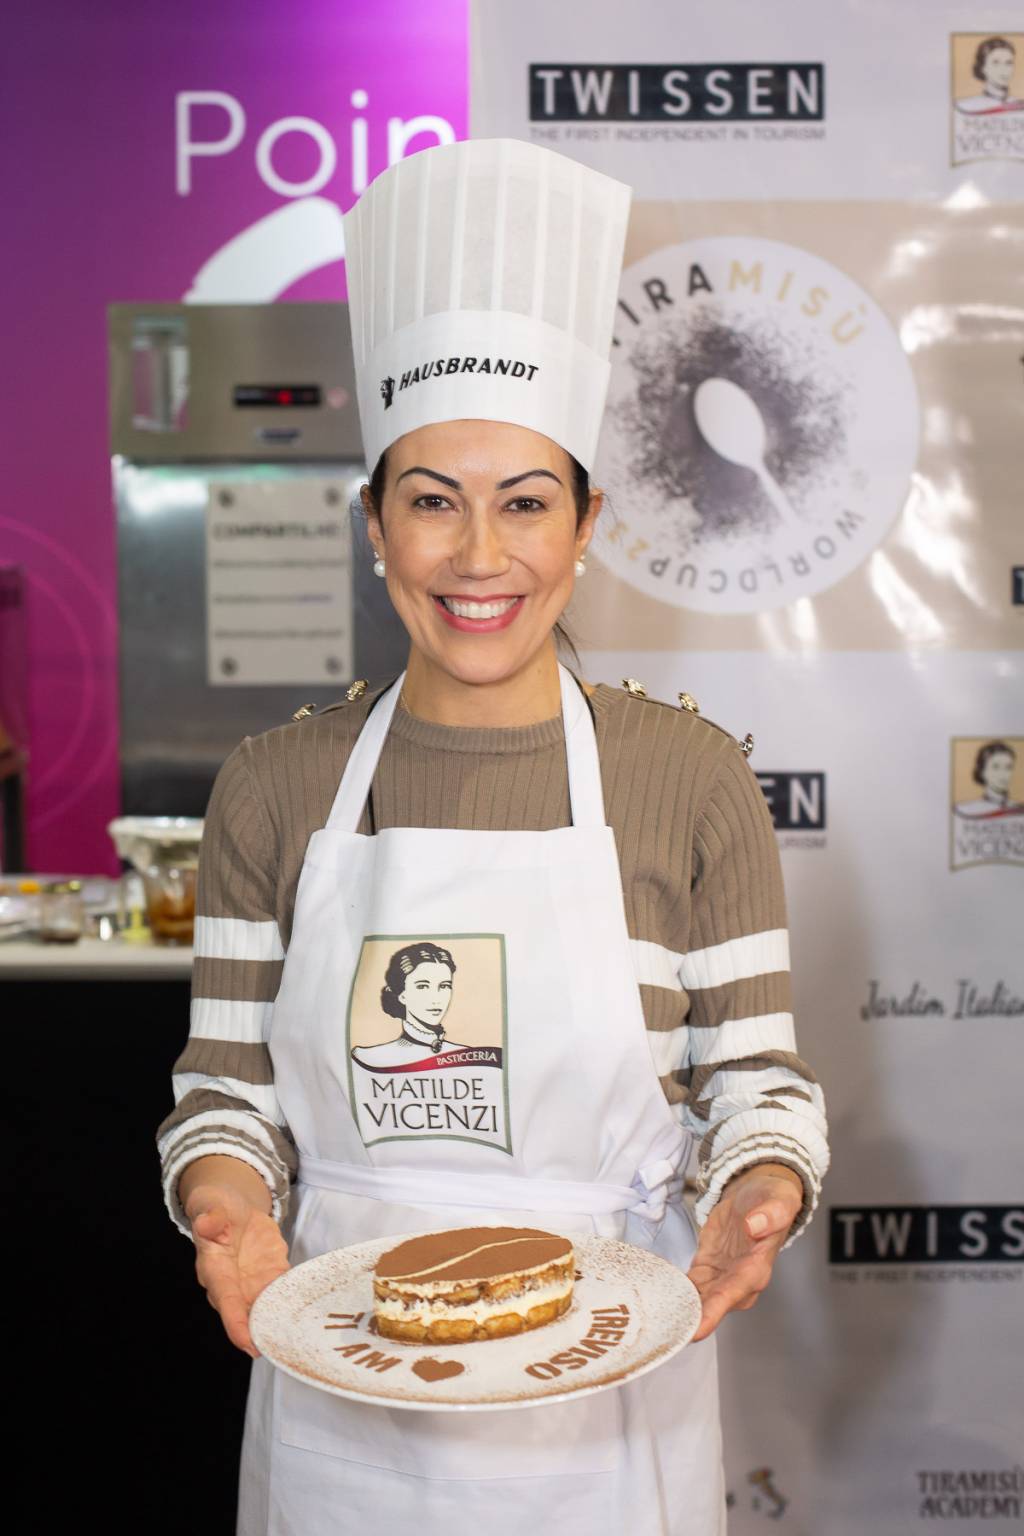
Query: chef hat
{"x":482,"y":280}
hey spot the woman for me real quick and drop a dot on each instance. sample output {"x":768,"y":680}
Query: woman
{"x":994,"y":63}
{"x":611,"y":859}
{"x":993,"y":771}
{"x":418,"y":991}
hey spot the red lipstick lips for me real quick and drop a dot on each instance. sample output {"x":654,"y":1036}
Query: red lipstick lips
{"x":480,"y":626}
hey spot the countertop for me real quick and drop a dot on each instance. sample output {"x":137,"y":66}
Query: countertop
{"x":94,"y":960}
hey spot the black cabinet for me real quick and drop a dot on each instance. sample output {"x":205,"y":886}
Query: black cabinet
{"x":130,"y":1401}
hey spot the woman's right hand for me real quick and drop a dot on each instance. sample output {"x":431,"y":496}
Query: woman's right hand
{"x":239,"y":1250}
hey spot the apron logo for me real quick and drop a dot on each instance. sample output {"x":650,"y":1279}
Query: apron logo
{"x":427,"y":1040}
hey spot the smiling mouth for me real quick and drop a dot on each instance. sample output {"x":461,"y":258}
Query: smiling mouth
{"x":464,"y":608}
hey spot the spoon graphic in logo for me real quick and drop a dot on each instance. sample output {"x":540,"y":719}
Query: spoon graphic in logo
{"x":733,"y":427}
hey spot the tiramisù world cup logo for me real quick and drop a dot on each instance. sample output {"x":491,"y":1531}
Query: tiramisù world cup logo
{"x":761,"y":430}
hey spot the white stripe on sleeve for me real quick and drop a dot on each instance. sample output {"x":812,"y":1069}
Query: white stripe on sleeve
{"x":233,"y":938}
{"x":668,"y":1048}
{"x":211,"y":1122}
{"x":734,"y":1039}
{"x":735,"y":960}
{"x":654,"y":965}
{"x":222,"y":1018}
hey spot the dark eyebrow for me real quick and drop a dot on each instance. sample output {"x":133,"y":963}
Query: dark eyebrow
{"x":503,"y":485}
{"x":434,"y":474}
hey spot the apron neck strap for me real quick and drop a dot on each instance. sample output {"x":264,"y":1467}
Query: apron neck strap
{"x":586,"y":797}
{"x":362,"y":761}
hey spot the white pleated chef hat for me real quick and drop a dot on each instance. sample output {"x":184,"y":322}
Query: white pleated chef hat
{"x":482,"y":281}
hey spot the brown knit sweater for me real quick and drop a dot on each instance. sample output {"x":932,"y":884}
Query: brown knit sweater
{"x":703,"y":897}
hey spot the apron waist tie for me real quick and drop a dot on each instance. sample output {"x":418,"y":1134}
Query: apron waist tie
{"x":655,"y":1184}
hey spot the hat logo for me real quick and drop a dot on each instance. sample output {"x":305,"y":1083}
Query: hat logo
{"x":387,"y":390}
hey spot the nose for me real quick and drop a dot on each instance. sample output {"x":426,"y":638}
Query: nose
{"x":480,"y":552}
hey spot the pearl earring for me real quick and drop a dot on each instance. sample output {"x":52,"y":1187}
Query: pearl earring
{"x":581,"y":569}
{"x":378,"y":566}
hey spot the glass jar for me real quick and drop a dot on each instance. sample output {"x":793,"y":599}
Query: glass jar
{"x":61,"y":912}
{"x":171,"y":901}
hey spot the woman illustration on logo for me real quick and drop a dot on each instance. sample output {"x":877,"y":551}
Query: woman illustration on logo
{"x":993,"y":770}
{"x":994,"y":64}
{"x":418,"y":991}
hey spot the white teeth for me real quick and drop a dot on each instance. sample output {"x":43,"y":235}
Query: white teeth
{"x":463,"y":610}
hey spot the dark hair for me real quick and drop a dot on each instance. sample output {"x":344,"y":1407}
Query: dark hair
{"x":580,"y":495}
{"x":984,"y":49}
{"x":989,"y":750}
{"x":402,"y":964}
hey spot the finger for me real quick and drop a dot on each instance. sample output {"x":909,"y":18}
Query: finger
{"x":717,"y":1299}
{"x":714,"y":1309}
{"x":768,"y":1219}
{"x":234,"y":1313}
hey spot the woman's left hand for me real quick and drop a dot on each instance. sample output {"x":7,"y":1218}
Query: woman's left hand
{"x":741,"y":1238}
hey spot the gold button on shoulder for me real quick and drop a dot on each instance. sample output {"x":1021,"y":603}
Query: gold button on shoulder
{"x":689,"y":703}
{"x":636,"y":689}
{"x":356,"y":690}
{"x":304,"y":711}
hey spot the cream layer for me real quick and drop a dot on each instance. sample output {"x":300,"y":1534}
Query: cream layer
{"x":437,"y":1287}
{"x":478,"y":1311}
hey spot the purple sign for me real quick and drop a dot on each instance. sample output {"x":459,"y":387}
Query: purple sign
{"x":203,"y":154}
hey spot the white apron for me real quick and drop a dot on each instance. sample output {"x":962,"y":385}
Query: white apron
{"x":459,"y":1040}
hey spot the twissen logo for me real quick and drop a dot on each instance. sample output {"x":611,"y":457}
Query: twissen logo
{"x":926,"y":1234}
{"x":796,"y":800}
{"x":736,"y":93}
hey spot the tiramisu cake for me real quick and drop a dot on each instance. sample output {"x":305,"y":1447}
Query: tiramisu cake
{"x":472,"y":1283}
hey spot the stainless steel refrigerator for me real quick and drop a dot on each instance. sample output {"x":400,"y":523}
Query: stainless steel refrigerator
{"x":245,"y":580}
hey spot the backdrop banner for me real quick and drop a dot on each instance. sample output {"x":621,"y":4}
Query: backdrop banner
{"x":814,"y":526}
{"x":195,"y":155}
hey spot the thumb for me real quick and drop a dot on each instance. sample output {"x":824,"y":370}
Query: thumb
{"x":767,"y":1219}
{"x":211,"y":1224}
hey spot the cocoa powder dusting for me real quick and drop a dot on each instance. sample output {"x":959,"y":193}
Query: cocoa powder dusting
{"x":437,"y":1370}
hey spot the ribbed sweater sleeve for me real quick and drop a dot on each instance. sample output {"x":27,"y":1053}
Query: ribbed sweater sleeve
{"x":223,"y":1081}
{"x":749,"y":1097}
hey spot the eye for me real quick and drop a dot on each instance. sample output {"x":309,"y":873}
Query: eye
{"x":525,"y":504}
{"x":431,"y":502}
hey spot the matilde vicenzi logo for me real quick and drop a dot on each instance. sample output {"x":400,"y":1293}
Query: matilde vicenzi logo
{"x":427,"y":1039}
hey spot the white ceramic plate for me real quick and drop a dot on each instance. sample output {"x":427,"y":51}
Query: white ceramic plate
{"x":631,"y":1311}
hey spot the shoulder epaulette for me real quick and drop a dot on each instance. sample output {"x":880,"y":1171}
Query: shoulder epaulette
{"x":689,"y":705}
{"x":352,"y":692}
